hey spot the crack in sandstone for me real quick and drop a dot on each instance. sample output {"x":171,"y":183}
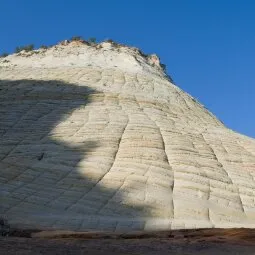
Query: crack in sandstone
{"x":253,"y":156}
{"x":224,"y":169}
{"x":115,"y":156}
{"x":102,"y":177}
{"x":163,"y":147}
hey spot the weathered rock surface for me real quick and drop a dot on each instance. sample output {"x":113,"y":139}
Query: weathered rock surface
{"x":97,"y":137}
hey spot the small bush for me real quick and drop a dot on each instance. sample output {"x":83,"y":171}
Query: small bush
{"x":44,"y":47}
{"x":26,"y":48}
{"x":163,"y":66}
{"x":76,"y":38}
{"x":3,"y":55}
{"x":109,"y":41}
{"x":92,"y":40}
{"x":113,"y":42}
{"x":18,"y":49}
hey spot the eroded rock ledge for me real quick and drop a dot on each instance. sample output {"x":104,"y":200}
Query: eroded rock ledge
{"x":83,"y":54}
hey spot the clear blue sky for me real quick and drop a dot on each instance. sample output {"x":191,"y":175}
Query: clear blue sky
{"x":207,"y":45}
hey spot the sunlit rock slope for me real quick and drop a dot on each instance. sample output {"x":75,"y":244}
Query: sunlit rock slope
{"x":96,"y":137}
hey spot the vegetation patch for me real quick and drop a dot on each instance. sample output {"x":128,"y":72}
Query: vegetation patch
{"x":4,"y":54}
{"x":26,"y":48}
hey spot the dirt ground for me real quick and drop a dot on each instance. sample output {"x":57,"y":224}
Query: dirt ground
{"x":210,"y":241}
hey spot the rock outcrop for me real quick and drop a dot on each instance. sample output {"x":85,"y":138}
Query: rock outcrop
{"x":96,"y":137}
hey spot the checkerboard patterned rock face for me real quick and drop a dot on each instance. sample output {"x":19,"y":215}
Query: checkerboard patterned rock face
{"x":89,"y":143}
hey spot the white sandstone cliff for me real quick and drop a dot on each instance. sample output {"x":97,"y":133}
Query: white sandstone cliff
{"x":96,"y":137}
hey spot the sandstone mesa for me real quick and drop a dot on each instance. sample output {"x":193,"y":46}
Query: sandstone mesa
{"x":97,"y":137}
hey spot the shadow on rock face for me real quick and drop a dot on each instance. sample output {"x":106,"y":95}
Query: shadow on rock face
{"x":54,"y":157}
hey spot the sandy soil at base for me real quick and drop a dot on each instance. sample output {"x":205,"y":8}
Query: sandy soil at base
{"x":208,"y":241}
